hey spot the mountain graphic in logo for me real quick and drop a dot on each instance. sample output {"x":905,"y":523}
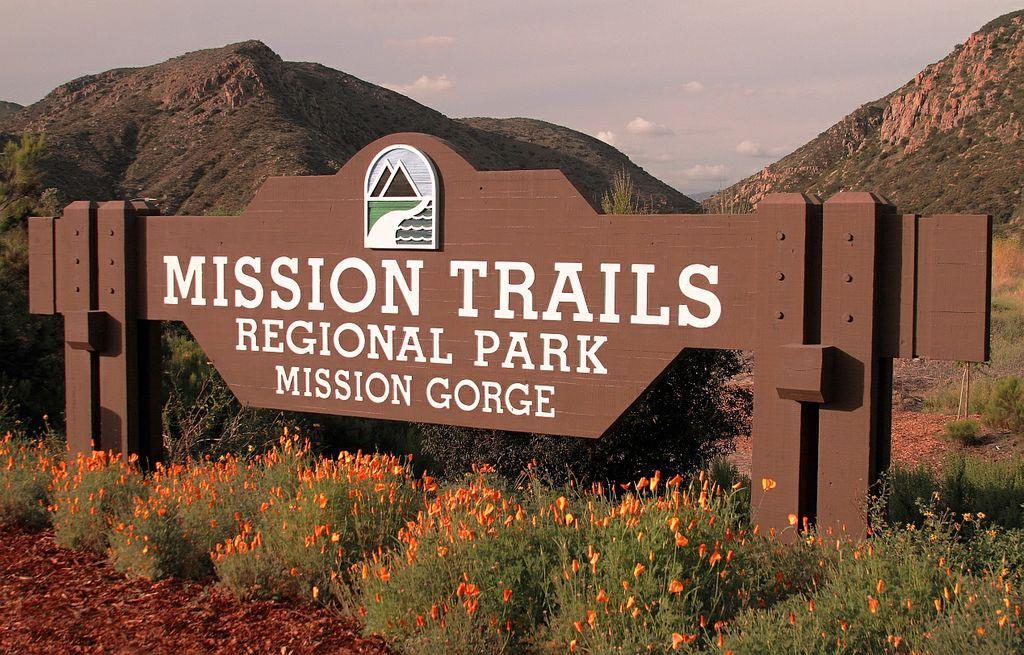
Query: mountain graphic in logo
{"x":400,"y":197}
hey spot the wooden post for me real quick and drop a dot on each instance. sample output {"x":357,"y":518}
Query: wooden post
{"x":76,"y":259}
{"x":854,"y":428}
{"x":785,"y":430}
{"x":125,"y":396}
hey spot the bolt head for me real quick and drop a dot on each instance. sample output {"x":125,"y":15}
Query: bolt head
{"x":781,"y":236}
{"x":848,"y":318}
{"x":779,"y":275}
{"x":848,"y":236}
{"x":780,"y":315}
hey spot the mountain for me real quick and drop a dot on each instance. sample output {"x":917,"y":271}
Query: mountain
{"x":572,"y":145}
{"x":202,"y":131}
{"x":8,"y":108}
{"x":948,"y":140}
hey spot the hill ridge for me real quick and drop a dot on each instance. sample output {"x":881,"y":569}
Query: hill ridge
{"x":201,"y":132}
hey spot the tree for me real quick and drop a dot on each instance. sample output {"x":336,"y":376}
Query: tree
{"x":20,"y":178}
{"x":31,"y":352}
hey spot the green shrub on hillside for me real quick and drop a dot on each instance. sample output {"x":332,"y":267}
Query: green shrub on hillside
{"x":964,"y":432}
{"x":1005,"y":407}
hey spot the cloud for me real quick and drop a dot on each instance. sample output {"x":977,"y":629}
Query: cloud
{"x":607,"y":136}
{"x":693,"y":87}
{"x":424,"y":85}
{"x":428,"y":42}
{"x":643,"y":126}
{"x":706,"y":172}
{"x":659,"y":158}
{"x":755,"y":149}
{"x":750,"y":149}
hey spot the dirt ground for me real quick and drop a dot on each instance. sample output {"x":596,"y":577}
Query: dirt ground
{"x":59,"y":601}
{"x":916,"y":439}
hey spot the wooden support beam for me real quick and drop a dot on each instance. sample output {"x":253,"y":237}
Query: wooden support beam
{"x":854,"y":428}
{"x":784,"y":431}
{"x":126,"y":402}
{"x":76,"y":277}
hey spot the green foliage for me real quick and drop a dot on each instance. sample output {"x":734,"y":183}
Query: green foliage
{"x":963,"y":432}
{"x":1005,"y":407}
{"x":301,"y":544}
{"x":485,"y":566}
{"x":682,"y":422}
{"x":31,"y":347}
{"x":475,"y":573}
{"x":25,"y":474}
{"x":201,"y":416}
{"x":965,"y":485}
{"x":88,"y":495}
{"x":621,"y":197}
{"x":20,"y":178}
{"x":904,"y":591}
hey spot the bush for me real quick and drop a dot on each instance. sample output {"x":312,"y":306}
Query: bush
{"x":474,"y":573}
{"x":486,"y":569}
{"x":88,"y":494}
{"x":1005,"y":407}
{"x":24,"y":481}
{"x":682,"y":422}
{"x":963,"y":432}
{"x":965,"y":485}
{"x":300,"y":545}
{"x":904,"y":591}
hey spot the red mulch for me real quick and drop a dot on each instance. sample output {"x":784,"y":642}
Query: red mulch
{"x":916,"y":439}
{"x":59,"y":601}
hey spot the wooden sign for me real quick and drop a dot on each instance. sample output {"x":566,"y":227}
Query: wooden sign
{"x":411,"y":286}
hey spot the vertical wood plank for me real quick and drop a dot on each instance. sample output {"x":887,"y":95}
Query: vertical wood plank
{"x":784,"y":431}
{"x":76,"y":275}
{"x":118,"y":363}
{"x":854,"y":426}
{"x":954,"y":274}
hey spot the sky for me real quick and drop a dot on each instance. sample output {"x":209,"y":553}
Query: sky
{"x":700,"y":93}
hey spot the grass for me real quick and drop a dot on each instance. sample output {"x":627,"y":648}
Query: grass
{"x":480,"y":565}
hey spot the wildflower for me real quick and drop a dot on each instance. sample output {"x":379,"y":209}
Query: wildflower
{"x":638,"y":570}
{"x":676,"y":587}
{"x":506,"y":595}
{"x":872,"y":605}
{"x":602,"y":597}
{"x":792,"y":519}
{"x":767,"y":484}
{"x":678,"y":640}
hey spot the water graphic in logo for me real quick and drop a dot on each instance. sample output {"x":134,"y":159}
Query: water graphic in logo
{"x":400,"y":195}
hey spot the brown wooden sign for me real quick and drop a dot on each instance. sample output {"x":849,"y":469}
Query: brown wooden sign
{"x":411,"y":286}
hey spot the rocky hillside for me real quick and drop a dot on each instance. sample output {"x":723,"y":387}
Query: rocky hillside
{"x":8,"y":108}
{"x":950,"y":139}
{"x":201,"y":132}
